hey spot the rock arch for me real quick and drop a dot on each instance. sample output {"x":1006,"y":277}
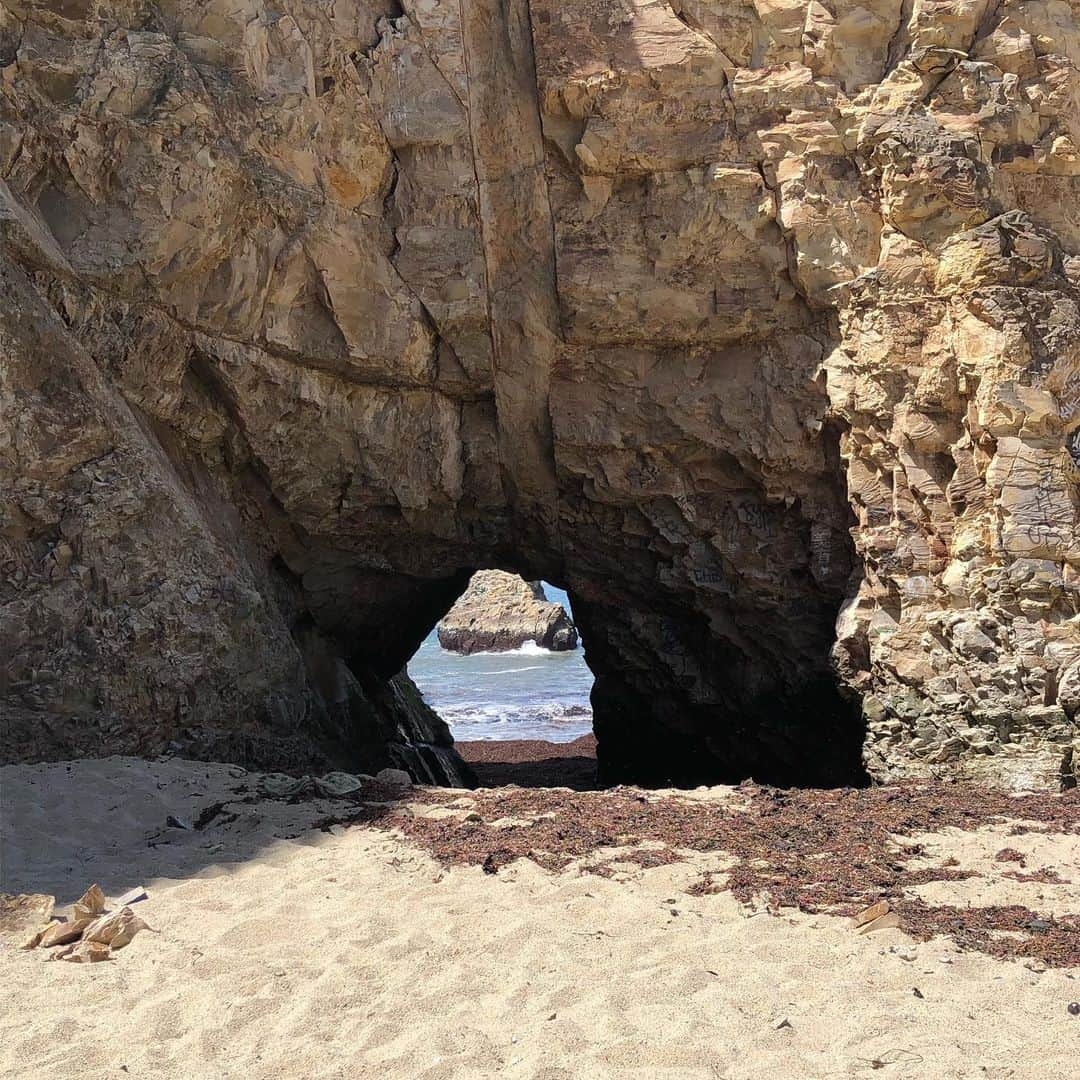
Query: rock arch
{"x":727,"y":317}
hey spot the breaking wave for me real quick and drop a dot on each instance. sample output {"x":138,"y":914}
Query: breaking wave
{"x":487,"y":695}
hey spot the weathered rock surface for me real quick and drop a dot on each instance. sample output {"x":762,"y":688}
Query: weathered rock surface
{"x":500,"y":611}
{"x":753,"y":323}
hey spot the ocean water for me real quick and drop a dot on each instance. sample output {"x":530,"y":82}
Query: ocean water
{"x":529,"y":693}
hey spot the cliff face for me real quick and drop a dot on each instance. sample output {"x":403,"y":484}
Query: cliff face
{"x":754,"y":323}
{"x":503,"y":611}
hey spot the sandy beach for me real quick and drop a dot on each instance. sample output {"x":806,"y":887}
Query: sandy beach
{"x":310,"y":937}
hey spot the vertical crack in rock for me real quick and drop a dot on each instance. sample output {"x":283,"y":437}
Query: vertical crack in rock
{"x":543,"y":149}
{"x":516,"y":232}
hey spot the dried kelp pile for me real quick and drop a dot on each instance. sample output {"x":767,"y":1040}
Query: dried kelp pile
{"x":831,"y":851}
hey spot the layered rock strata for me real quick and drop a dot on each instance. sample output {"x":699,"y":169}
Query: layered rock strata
{"x":500,"y":611}
{"x":753,"y":323}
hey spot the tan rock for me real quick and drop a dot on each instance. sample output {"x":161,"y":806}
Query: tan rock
{"x":500,"y":611}
{"x":890,"y":921}
{"x":63,"y":933}
{"x":872,"y":913}
{"x":739,"y":317}
{"x":89,"y":905}
{"x":1068,"y":695}
{"x":116,"y":929}
{"x":83,"y":952}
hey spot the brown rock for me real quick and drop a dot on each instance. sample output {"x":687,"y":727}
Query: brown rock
{"x":755,"y":324}
{"x":89,"y":905}
{"x":500,"y":611}
{"x":871,"y":913}
{"x":63,"y":933}
{"x":115,"y":929}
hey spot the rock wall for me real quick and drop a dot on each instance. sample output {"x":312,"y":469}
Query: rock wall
{"x":500,"y":611}
{"x":753,"y":323}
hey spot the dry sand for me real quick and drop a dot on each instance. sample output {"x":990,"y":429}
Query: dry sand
{"x":286,"y":951}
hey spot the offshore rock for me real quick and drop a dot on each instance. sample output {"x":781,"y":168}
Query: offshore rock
{"x":754,"y":322}
{"x":500,"y":611}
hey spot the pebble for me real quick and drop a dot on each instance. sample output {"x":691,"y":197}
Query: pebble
{"x":1074,"y":1008}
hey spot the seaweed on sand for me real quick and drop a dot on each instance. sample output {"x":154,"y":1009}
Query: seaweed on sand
{"x":829,"y":851}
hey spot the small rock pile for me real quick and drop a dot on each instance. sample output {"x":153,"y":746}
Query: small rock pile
{"x":92,"y":932}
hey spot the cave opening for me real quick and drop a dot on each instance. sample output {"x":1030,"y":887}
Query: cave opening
{"x":652,"y":690}
{"x":505,"y":669}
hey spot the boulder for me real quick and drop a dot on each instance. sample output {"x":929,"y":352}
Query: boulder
{"x":500,"y":611}
{"x":1068,"y":695}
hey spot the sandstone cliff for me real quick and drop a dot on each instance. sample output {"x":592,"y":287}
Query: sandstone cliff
{"x":755,"y":322}
{"x":501,"y":611}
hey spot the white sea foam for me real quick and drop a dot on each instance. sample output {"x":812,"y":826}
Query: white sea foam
{"x":526,"y":693}
{"x":555,"y":714}
{"x":530,"y":648}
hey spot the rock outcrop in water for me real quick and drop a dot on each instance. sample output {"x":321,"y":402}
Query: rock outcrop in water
{"x":756,"y":323}
{"x":500,"y":611}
